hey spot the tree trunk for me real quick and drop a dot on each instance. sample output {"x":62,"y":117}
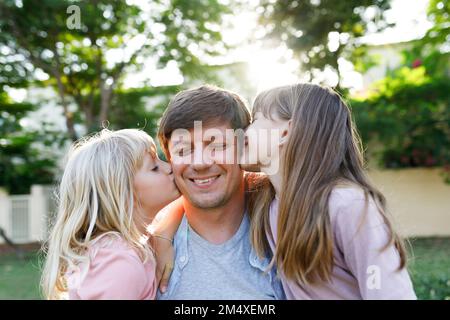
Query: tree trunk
{"x":89,"y":118}
{"x":67,"y":114}
{"x":106,"y":94}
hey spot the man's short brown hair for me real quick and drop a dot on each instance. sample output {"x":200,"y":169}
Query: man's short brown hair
{"x":207,"y":104}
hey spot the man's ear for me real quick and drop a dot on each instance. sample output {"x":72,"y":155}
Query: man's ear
{"x":285,"y":131}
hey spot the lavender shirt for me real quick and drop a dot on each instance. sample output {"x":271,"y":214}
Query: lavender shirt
{"x":361,"y":270}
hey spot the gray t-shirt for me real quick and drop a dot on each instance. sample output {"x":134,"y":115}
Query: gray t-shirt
{"x":222,"y":272}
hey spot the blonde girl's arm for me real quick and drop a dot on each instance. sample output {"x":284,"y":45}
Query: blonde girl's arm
{"x":164,"y":227}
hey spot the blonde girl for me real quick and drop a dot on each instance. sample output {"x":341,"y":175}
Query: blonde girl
{"x":319,"y":214}
{"x":112,"y":187}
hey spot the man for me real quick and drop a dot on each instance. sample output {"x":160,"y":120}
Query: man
{"x":214,"y":257}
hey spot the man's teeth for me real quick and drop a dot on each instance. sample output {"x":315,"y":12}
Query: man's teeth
{"x":204,"y":181}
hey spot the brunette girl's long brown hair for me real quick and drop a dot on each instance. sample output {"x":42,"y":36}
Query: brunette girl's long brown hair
{"x":323,"y":150}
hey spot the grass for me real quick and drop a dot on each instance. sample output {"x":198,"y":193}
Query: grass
{"x":19,"y":278}
{"x":429,"y":269}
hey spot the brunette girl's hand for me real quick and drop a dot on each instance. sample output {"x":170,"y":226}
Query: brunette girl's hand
{"x":163,"y":230}
{"x":165,"y":256}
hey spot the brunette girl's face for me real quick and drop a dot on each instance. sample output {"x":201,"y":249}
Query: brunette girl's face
{"x":263,"y":138}
{"x":154,"y":185}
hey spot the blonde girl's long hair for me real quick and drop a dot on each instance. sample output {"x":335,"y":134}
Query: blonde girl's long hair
{"x":322,"y":151}
{"x":96,"y":197}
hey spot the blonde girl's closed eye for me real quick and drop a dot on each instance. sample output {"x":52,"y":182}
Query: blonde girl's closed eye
{"x":98,"y":198}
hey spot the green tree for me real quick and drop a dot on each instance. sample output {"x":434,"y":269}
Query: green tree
{"x":86,"y":66}
{"x":24,"y":154}
{"x":320,"y":32}
{"x":432,"y":51}
{"x":406,"y":116}
{"x":141,"y":107}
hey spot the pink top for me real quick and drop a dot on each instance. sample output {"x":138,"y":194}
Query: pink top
{"x":361,"y":270}
{"x":115,"y":271}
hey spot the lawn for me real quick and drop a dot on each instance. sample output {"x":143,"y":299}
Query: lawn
{"x":19,"y":278}
{"x":429,"y":267}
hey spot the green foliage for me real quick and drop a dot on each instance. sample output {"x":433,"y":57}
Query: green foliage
{"x":79,"y":62}
{"x":438,"y":13}
{"x":408,"y":113}
{"x":198,"y":26}
{"x":432,"y":51}
{"x":305,"y":26}
{"x":140,"y":108}
{"x":87,"y":66}
{"x":25,"y":158}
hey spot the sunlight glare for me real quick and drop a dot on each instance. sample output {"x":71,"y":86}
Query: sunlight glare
{"x":272,"y":67}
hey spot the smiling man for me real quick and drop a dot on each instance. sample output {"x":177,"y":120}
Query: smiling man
{"x":214,"y":257}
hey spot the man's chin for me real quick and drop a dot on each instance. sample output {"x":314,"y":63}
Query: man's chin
{"x":207,"y":202}
{"x":207,"y":205}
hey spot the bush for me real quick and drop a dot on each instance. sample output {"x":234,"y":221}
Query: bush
{"x":408,"y":114}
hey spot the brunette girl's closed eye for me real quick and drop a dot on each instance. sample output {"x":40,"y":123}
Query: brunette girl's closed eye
{"x":155,"y":168}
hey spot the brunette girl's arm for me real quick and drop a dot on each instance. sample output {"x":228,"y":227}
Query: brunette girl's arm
{"x":163,"y":230}
{"x":167,"y":221}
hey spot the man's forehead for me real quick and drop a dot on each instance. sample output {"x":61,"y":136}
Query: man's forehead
{"x":200,"y":132}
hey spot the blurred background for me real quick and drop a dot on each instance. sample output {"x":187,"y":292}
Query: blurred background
{"x":68,"y":68}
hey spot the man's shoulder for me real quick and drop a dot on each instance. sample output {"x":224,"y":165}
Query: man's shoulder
{"x":180,"y":236}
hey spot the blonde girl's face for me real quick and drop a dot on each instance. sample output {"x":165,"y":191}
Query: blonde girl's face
{"x":264,"y":138}
{"x":154,"y":186}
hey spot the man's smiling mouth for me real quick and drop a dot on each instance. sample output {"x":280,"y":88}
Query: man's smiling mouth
{"x":204,"y":181}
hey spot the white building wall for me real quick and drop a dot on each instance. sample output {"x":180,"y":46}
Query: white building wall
{"x":389,"y":57}
{"x":4,"y":211}
{"x":30,"y":226}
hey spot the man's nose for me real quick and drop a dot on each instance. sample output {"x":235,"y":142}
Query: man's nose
{"x":201,"y":159}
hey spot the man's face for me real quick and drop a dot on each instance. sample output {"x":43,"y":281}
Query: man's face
{"x":205,"y":165}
